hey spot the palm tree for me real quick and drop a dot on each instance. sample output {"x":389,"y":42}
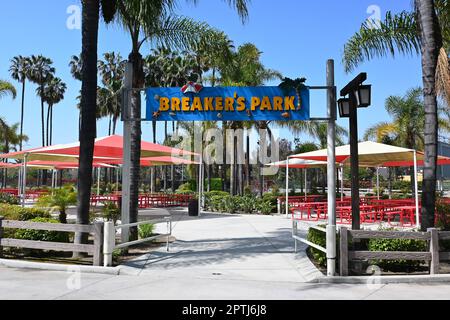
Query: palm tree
{"x":431,"y":45}
{"x":41,"y":72}
{"x":135,"y":16}
{"x":19,"y":70}
{"x":425,"y":31}
{"x":400,"y":33}
{"x":59,"y":200}
{"x":112,"y":71}
{"x":53,"y":93}
{"x":10,"y":139}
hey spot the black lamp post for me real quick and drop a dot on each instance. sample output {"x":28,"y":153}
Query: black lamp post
{"x":359,"y":96}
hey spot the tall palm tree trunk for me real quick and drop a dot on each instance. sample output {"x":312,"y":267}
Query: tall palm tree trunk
{"x":431,"y":45}
{"x":88,"y":106}
{"x":138,"y":82}
{"x":51,"y":125}
{"x":47,"y":141}
{"x":22,"y":111}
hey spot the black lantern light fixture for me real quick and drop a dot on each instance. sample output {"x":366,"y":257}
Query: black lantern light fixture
{"x":363,"y":96}
{"x":344,"y":107}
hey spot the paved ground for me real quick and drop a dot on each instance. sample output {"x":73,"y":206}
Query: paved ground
{"x":214,"y":257}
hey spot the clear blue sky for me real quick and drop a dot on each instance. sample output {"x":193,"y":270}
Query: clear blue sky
{"x":296,"y":37}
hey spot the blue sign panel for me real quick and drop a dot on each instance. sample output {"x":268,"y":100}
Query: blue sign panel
{"x":196,"y":103}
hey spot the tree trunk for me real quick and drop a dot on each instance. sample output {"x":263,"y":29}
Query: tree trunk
{"x":138,"y":82}
{"x":247,"y":163}
{"x":51,"y":125}
{"x":431,"y":44}
{"x":224,"y":164}
{"x":88,"y":106}
{"x":42,"y":118}
{"x":22,"y":110}
{"x":48,"y":126}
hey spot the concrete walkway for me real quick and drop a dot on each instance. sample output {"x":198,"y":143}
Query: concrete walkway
{"x":214,"y":257}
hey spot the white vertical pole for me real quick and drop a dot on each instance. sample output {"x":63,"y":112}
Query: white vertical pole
{"x":126,"y":170}
{"x":378,"y":183}
{"x":342,"y":182}
{"x":286,"y":203}
{"x":416,"y":191}
{"x":306,"y":183}
{"x":331,"y":170}
{"x":24,"y":179}
{"x":98,"y":181}
{"x":117,"y":179}
{"x":200,"y":184}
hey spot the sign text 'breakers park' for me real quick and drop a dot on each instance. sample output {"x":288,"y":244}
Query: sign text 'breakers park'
{"x":196,"y":103}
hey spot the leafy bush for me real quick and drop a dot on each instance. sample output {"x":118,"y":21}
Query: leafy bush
{"x":41,"y":235}
{"x":396,"y":245}
{"x":265,"y":207}
{"x":213,"y":198}
{"x":231,"y":204}
{"x":443,"y":213}
{"x":8,"y":198}
{"x":216,"y":184}
{"x":146,"y":231}
{"x":13,"y":212}
{"x":111,"y":212}
{"x":247,"y":204}
{"x":319,"y":238}
{"x":187,"y":187}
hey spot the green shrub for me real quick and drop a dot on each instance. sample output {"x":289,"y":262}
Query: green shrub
{"x":216,"y":184}
{"x":146,"y":230}
{"x":13,"y":212}
{"x":213,"y":199}
{"x":40,"y":235}
{"x":319,"y":238}
{"x":111,"y":212}
{"x":187,"y":187}
{"x":231,"y":204}
{"x":396,"y":245}
{"x":443,"y":212}
{"x":8,"y":199}
{"x":265,"y":207}
{"x":247,"y":204}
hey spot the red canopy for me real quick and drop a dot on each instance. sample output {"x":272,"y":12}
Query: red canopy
{"x":105,"y":148}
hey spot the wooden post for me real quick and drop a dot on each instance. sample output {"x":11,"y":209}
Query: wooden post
{"x":98,"y":243}
{"x":434,"y":249}
{"x":343,"y":249}
{"x":1,"y":236}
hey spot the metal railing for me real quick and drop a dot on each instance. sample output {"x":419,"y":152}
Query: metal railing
{"x":109,"y":243}
{"x":297,"y":238}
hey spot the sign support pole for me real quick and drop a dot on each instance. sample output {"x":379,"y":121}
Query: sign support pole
{"x":126,"y":170}
{"x":331,"y":168}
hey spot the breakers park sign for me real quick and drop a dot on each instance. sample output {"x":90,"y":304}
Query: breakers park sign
{"x":196,"y":103}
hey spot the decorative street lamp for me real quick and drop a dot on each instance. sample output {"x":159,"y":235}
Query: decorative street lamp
{"x":344,"y":108}
{"x":359,"y":96}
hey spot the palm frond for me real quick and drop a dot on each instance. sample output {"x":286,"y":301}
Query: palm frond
{"x":7,"y":88}
{"x":396,"y":34}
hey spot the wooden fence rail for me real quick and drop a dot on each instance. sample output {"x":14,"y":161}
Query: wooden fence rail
{"x":95,"y":249}
{"x":432,"y":236}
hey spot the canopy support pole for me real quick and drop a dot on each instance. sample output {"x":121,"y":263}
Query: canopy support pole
{"x":24,"y":180}
{"x":416,"y":191}
{"x":306,"y":183}
{"x":342,"y":181}
{"x":98,"y":181}
{"x":200,"y":184}
{"x":286,"y":203}
{"x":378,"y":183}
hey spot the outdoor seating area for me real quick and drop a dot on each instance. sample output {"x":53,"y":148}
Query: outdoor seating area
{"x":146,"y":201}
{"x":396,"y":213}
